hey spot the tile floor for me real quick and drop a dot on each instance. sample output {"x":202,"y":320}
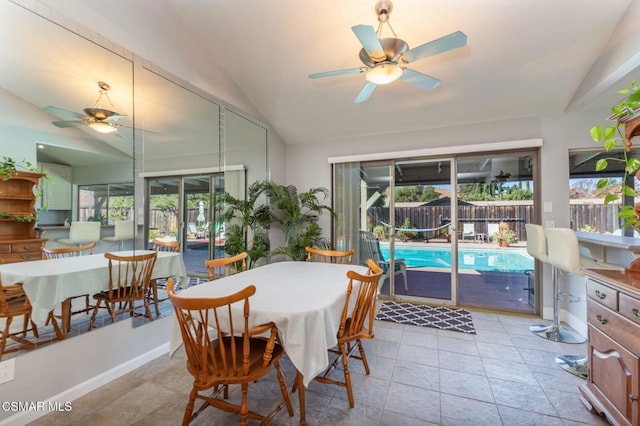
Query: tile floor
{"x":503,"y":375}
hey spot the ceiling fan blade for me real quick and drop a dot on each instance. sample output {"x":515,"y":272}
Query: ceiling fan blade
{"x":337,"y":72}
{"x":61,"y":112}
{"x":423,"y":81}
{"x":71,"y":123}
{"x":440,"y":45}
{"x":366,"y":91}
{"x":369,"y":41}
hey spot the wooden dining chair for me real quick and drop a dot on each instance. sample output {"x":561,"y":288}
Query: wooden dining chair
{"x":152,"y":296}
{"x":225,"y":266}
{"x":129,"y":278}
{"x":62,"y":252}
{"x":161,"y":245}
{"x":14,"y":303}
{"x":356,"y":324}
{"x":223,"y":350}
{"x":329,"y":256}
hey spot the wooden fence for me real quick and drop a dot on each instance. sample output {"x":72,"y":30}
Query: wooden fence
{"x":598,"y":217}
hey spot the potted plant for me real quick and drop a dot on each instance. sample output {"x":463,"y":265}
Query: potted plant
{"x":445,"y":232}
{"x":380,"y":231}
{"x":610,"y":137}
{"x":406,"y":235}
{"x":297,"y":214}
{"x":505,"y":236}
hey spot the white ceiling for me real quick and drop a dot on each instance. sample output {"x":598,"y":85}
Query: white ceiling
{"x":523,"y":58}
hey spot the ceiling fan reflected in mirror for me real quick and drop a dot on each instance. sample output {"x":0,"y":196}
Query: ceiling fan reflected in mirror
{"x":385,"y":57}
{"x":97,"y":118}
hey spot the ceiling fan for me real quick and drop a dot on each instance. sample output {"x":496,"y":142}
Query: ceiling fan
{"x":97,"y":118}
{"x":385,"y":57}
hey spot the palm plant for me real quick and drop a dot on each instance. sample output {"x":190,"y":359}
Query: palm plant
{"x":297,"y":214}
{"x":244,"y":220}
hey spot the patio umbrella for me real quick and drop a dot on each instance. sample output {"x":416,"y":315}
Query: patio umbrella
{"x":200,"y":217}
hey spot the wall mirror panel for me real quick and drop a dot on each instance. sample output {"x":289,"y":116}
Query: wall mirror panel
{"x":164,"y":125}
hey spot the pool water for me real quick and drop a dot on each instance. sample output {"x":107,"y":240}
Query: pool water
{"x":476,"y":259}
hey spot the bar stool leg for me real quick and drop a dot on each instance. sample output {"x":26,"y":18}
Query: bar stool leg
{"x":555,"y":331}
{"x":574,"y":364}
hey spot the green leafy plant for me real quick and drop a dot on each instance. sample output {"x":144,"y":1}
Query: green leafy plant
{"x":247,"y":223}
{"x":405,"y":235}
{"x":611,"y":137}
{"x":297,"y":214}
{"x":8,"y":166}
{"x":380,"y":231}
{"x":31,"y":217}
{"x":504,"y":235}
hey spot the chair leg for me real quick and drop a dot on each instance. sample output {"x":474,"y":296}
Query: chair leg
{"x":363,"y":357}
{"x":186,"y":419}
{"x":283,"y":387}
{"x":347,"y":374}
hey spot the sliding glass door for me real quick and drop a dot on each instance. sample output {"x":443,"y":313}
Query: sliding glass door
{"x":446,"y":231}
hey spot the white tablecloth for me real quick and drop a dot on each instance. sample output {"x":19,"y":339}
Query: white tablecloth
{"x":304,"y":299}
{"x":49,"y":282}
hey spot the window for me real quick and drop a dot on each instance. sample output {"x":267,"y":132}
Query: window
{"x":588,"y":211}
{"x":106,"y":203}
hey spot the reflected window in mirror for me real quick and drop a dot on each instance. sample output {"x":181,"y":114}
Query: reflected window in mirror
{"x":588,"y":190}
{"x":106,"y":203}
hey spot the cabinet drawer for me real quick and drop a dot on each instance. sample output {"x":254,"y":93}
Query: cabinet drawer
{"x":613,"y":370}
{"x":22,"y":247}
{"x":5,"y":248}
{"x":629,"y":307}
{"x":602,"y":294}
{"x":614,"y":325}
{"x":20,"y":257}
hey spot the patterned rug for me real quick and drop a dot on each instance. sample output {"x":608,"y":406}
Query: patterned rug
{"x":427,"y":316}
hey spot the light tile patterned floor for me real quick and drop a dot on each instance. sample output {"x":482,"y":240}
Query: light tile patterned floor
{"x":503,"y":375}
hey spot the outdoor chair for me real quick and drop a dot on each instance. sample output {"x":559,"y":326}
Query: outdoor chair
{"x":468,"y":231}
{"x":225,"y":266}
{"x":329,"y":256}
{"x":129,"y":278}
{"x":370,"y":249}
{"x":222,"y":350}
{"x":356,"y":324}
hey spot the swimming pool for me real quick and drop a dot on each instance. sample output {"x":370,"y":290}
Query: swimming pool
{"x":479,"y":260}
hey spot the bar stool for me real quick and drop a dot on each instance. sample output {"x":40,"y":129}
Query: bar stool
{"x":123,"y":230}
{"x":563,"y":253}
{"x":82,"y":233}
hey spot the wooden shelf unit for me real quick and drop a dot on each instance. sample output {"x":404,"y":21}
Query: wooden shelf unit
{"x":18,"y":242}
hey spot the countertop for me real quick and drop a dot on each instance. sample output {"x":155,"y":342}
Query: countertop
{"x":627,"y":243}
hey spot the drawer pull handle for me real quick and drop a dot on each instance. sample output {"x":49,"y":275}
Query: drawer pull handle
{"x":27,"y":248}
{"x":601,"y":320}
{"x":600,"y":295}
{"x":632,"y":399}
{"x":636,"y":312}
{"x":601,"y":355}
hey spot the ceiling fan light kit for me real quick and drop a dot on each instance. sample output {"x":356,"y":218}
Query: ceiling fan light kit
{"x":97,"y":118}
{"x":382,"y":56}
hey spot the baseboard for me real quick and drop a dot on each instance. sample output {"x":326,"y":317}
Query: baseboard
{"x":25,"y":417}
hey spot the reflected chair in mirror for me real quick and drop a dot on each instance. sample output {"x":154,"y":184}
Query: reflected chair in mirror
{"x":225,"y":266}
{"x":58,"y":253}
{"x":160,"y":245}
{"x":123,"y":230}
{"x":14,"y":304}
{"x":81,"y":233}
{"x":356,"y":324}
{"x":370,"y":249}
{"x":329,"y":256}
{"x":222,"y":350}
{"x":129,"y":278}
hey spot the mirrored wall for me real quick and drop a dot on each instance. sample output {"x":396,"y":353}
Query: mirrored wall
{"x":159,"y":126}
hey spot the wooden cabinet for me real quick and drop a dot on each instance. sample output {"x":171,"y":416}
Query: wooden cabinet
{"x":17,"y":219}
{"x":56,"y":188}
{"x":613,"y":318}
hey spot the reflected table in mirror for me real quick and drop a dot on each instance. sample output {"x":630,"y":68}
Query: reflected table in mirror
{"x":49,"y":284}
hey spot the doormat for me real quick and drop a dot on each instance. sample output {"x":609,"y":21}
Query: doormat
{"x":427,"y":316}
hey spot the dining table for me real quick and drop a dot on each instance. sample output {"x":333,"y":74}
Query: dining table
{"x":305,"y":301}
{"x":49,"y":284}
